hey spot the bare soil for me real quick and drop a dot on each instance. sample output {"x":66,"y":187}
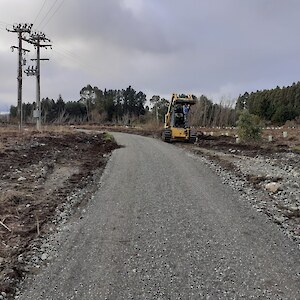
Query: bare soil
{"x":38,"y":173}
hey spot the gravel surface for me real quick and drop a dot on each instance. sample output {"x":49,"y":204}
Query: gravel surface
{"x":255,"y":175}
{"x":163,"y":225}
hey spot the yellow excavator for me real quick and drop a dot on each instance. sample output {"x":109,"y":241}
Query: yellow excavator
{"x":176,"y":127}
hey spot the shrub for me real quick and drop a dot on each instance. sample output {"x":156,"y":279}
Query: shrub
{"x":249,"y":128}
{"x":108,"y":137}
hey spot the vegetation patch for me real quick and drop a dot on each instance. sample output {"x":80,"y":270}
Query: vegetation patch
{"x":249,"y":128}
{"x":36,"y":185}
{"x":108,"y":137}
{"x":297,"y":149}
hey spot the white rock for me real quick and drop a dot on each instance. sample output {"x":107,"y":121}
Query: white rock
{"x":279,"y":220}
{"x":44,"y":256}
{"x":45,"y":245}
{"x":21,"y":178}
{"x":273,"y":187}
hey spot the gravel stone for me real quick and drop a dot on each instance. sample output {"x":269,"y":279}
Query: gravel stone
{"x":172,"y":225}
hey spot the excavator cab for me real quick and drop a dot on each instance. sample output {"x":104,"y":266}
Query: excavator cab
{"x":176,"y":127}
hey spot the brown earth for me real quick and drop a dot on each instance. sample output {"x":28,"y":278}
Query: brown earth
{"x":224,"y":139}
{"x":40,"y":170}
{"x":38,"y":173}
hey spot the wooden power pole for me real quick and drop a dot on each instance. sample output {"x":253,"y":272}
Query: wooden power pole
{"x":20,"y":29}
{"x":37,"y":39}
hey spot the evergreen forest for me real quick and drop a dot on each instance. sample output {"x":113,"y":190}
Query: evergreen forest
{"x":275,"y":106}
{"x":126,"y":106}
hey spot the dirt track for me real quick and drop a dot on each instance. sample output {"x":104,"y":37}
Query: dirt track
{"x":163,"y":225}
{"x":252,"y":166}
{"x":39,"y":171}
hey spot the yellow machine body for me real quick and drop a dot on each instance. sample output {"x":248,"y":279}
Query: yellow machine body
{"x":180,"y":133}
{"x":176,"y":127}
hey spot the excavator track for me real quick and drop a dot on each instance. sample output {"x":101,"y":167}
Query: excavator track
{"x":193,"y":137}
{"x":166,"y":135}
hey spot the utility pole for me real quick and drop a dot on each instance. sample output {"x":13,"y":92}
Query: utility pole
{"x":20,"y":29}
{"x":37,"y":39}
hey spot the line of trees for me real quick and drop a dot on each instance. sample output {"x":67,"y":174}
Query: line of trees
{"x":119,"y":106}
{"x":205,"y":113}
{"x":126,"y":106}
{"x":94,"y":105}
{"x":53,"y":111}
{"x":273,"y":106}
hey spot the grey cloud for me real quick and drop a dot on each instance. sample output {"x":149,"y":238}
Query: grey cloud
{"x":172,"y":45}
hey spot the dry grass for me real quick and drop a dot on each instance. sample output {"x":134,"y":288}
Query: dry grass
{"x":153,"y":125}
{"x":14,"y":130}
{"x":8,"y":129}
{"x":58,"y":128}
{"x":12,"y":197}
{"x":297,"y":148}
{"x":292,"y":139}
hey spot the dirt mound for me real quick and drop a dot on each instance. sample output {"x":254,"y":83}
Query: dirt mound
{"x":38,"y":172}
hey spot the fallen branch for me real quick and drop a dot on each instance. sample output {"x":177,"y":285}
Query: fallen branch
{"x":1,"y":223}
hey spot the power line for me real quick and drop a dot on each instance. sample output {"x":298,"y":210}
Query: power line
{"x":39,"y":12}
{"x":57,"y":9}
{"x":75,"y":58}
{"x":69,"y":54}
{"x":47,"y":14}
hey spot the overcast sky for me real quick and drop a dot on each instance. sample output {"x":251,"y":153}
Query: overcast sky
{"x":219,"y":48}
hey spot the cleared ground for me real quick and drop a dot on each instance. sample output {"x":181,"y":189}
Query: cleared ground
{"x":163,"y":226}
{"x":39,"y":173}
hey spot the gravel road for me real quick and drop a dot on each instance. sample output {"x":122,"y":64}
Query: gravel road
{"x":163,"y":226}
